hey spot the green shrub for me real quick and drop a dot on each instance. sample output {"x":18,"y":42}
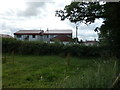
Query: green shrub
{"x":40,"y":48}
{"x":10,"y":44}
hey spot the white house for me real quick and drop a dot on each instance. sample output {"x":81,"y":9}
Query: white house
{"x":47,"y":36}
{"x":90,"y":43}
{"x":30,"y":35}
{"x":52,"y":35}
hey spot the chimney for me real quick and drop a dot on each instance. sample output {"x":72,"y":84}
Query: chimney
{"x":95,"y":39}
{"x":47,"y":29}
{"x":42,"y":32}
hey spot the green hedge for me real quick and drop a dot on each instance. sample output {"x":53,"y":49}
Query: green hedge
{"x":40,"y":48}
{"x":10,"y":44}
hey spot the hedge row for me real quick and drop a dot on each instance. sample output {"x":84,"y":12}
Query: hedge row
{"x":40,"y":48}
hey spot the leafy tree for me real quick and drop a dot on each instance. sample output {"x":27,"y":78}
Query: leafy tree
{"x":110,"y":29}
{"x":81,"y":12}
{"x":87,"y":12}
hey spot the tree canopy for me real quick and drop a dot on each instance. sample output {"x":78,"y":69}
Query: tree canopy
{"x":87,"y":12}
{"x":81,"y":12}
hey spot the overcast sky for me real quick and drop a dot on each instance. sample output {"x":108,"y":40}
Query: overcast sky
{"x":18,"y":15}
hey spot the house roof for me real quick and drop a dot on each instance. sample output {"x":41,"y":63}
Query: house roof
{"x":47,"y":32}
{"x":58,"y":32}
{"x":5,"y":36}
{"x":22,"y":32}
{"x":61,"y":38}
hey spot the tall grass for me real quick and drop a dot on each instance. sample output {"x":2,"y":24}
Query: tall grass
{"x":99,"y":75}
{"x":53,"y":72}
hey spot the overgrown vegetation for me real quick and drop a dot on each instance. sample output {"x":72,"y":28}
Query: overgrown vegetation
{"x":40,"y":48}
{"x":88,"y":12}
{"x":54,"y":72}
{"x":65,"y":66}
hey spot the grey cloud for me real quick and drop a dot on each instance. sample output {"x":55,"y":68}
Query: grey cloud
{"x":8,"y":29}
{"x":9,"y":12}
{"x":85,"y":35}
{"x":3,"y":26}
{"x":87,"y":38}
{"x":33,"y":9}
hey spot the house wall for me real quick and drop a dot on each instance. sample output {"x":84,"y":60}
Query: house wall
{"x":91,"y":43}
{"x":30,"y":37}
{"x":45,"y":38}
{"x":70,"y":35}
{"x":37,"y":38}
{"x":48,"y":37}
{"x":15,"y":36}
{"x":61,"y":42}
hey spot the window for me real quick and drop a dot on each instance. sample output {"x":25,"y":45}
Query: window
{"x":33,"y":36}
{"x":47,"y":36}
{"x":18,"y":36}
{"x":26,"y":37}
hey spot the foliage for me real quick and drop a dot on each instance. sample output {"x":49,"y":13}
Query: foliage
{"x":110,"y":29}
{"x":87,"y":12}
{"x":41,"y":48}
{"x":53,"y":72}
{"x":10,"y":44}
{"x":81,"y":12}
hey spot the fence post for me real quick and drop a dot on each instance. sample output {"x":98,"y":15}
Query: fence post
{"x":13,"y":56}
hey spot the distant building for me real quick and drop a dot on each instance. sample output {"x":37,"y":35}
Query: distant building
{"x":62,"y":38}
{"x":47,"y":36}
{"x":90,"y":43}
{"x":30,"y":35}
{"x":5,"y":36}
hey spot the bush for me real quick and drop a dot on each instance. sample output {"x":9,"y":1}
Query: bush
{"x":41,"y":48}
{"x":10,"y":44}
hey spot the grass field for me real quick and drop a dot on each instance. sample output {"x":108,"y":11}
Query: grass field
{"x":57,"y":72}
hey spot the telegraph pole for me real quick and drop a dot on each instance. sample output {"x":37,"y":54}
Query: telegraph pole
{"x":76,"y":32}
